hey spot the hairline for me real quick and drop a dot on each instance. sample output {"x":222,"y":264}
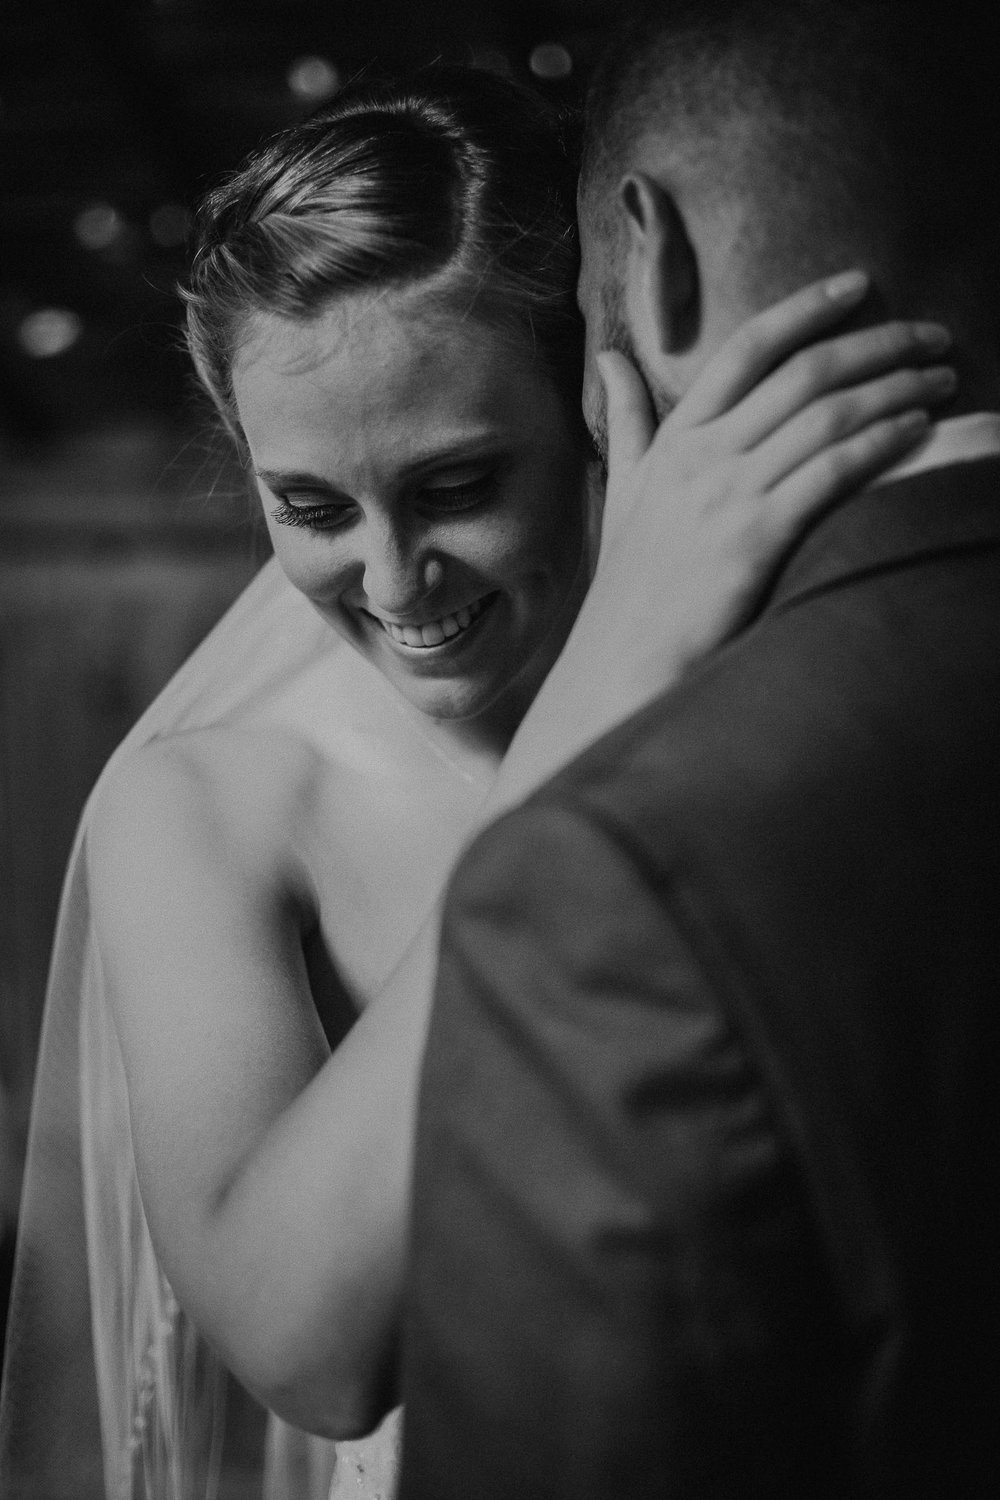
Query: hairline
{"x":460,"y":295}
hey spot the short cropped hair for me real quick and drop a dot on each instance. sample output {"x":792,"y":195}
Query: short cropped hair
{"x":454,"y":178}
{"x":848,"y":125}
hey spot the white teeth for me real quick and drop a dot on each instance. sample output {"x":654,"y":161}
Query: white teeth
{"x":434,"y":632}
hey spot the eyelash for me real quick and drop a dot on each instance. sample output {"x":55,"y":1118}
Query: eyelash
{"x":317,"y":517}
{"x":327,"y":517}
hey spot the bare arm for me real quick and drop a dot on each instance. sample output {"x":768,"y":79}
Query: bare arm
{"x":273,"y":1174}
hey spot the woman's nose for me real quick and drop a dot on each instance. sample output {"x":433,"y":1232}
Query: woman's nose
{"x":399,"y":570}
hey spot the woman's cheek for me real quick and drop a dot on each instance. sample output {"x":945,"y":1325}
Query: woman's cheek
{"x":310,"y":566}
{"x":491,"y":547}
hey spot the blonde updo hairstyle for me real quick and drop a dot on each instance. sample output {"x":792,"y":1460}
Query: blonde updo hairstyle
{"x":456,"y":179}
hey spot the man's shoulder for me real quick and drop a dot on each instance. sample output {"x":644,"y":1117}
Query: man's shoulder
{"x":725,"y":748}
{"x":740,"y":727}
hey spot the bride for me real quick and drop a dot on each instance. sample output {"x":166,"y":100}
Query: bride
{"x":382,"y":308}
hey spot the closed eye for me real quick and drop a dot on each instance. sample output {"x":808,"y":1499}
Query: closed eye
{"x":300,"y":508}
{"x":449,"y":498}
{"x":319,"y":515}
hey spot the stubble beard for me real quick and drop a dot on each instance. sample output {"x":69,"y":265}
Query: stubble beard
{"x":614,"y":333}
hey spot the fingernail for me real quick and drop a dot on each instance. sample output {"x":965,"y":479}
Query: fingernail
{"x":933,"y":336}
{"x":942,"y":378}
{"x":848,"y":286}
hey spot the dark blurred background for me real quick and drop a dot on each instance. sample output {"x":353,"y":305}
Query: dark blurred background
{"x":124,"y":524}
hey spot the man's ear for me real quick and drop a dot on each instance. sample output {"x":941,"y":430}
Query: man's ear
{"x":662,"y":294}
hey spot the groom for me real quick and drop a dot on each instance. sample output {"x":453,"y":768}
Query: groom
{"x":707,"y":1182}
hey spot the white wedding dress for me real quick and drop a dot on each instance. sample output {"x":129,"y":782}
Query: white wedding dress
{"x":109,"y":1391}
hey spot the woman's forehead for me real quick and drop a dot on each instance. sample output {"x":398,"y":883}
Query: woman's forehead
{"x":386,"y":355}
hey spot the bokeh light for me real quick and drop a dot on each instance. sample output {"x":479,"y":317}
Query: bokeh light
{"x":313,"y":79}
{"x":98,"y":226}
{"x":550,"y":60}
{"x":49,"y":331}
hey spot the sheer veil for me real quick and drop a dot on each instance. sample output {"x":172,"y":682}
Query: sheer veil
{"x":108,"y":1390}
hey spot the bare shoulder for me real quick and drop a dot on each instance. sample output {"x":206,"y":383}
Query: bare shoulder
{"x":197,"y":800}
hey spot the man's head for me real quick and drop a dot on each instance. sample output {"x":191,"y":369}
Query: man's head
{"x":736,"y":149}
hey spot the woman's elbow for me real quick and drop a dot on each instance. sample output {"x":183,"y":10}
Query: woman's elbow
{"x":333,"y":1396}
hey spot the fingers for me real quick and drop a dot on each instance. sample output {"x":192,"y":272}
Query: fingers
{"x":824,"y":367}
{"x":839,"y":469}
{"x":765,"y":340}
{"x":630,"y":417}
{"x":834,"y":418}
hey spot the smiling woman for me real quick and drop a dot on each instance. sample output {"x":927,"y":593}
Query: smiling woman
{"x":421,"y":483}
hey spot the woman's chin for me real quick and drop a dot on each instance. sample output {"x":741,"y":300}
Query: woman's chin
{"x":448,"y":702}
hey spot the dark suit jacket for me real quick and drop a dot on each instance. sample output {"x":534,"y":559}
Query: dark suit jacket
{"x":706,"y":1197}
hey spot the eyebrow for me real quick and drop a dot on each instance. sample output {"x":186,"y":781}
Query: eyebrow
{"x":288,"y":479}
{"x":468,"y":447}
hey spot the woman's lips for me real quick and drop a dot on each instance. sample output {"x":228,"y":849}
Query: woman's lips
{"x":436,"y":632}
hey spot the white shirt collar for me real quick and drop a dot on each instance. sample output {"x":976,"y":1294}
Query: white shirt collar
{"x":955,"y":440}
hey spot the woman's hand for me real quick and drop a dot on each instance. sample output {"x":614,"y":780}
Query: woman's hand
{"x":769,"y":434}
{"x":701,"y":508}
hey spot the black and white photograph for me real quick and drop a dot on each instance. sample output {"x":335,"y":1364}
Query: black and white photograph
{"x":499,"y":750}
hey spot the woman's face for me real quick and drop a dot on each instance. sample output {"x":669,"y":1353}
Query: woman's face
{"x":422,"y":486}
